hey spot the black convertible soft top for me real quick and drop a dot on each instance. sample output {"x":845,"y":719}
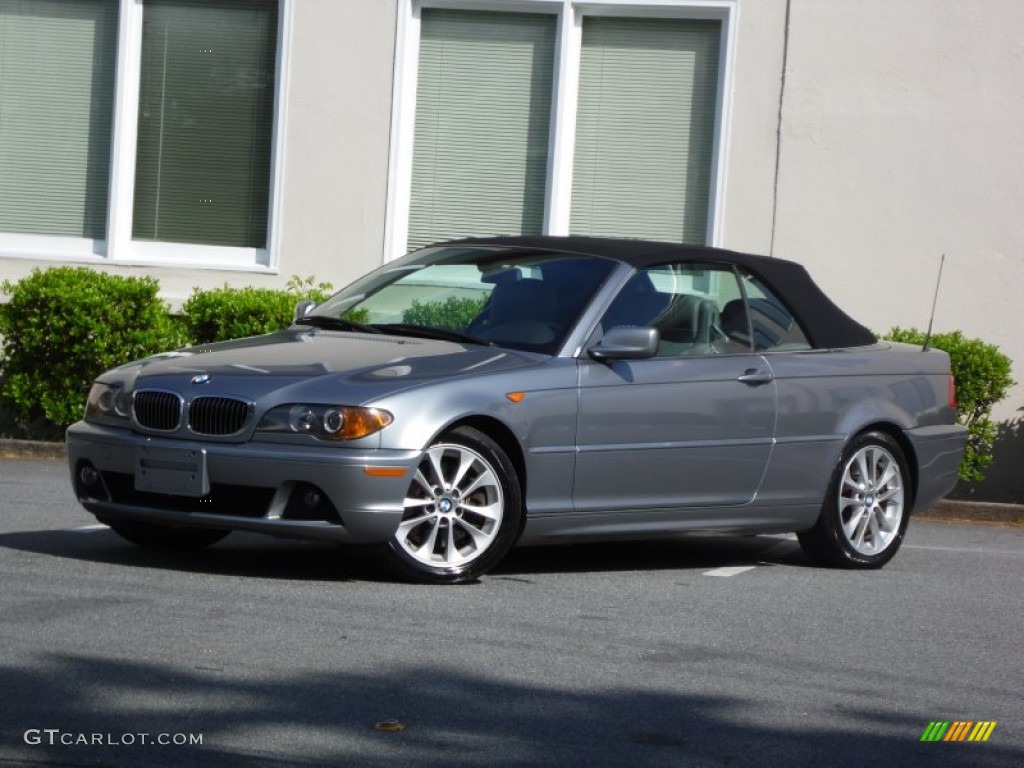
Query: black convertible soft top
{"x":826,"y":325}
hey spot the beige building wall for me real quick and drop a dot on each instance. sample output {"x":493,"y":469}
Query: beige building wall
{"x":902,"y":137}
{"x":752,"y":135}
{"x":337,"y":138}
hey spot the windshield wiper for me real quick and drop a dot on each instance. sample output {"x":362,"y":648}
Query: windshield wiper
{"x":335,"y":324}
{"x":427,"y":332}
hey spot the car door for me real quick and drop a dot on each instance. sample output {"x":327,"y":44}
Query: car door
{"x":690,"y":426}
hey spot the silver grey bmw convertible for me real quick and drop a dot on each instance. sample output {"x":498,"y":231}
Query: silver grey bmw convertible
{"x":486,"y":393}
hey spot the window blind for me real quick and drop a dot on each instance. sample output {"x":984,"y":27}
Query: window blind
{"x":206,"y":106}
{"x":645,"y":128}
{"x":56,"y":110}
{"x":483,"y":107}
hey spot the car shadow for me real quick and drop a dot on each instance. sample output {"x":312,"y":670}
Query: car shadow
{"x":682,"y":552}
{"x":244,"y":554}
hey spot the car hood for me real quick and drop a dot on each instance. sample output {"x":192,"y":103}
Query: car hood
{"x":308,"y":358}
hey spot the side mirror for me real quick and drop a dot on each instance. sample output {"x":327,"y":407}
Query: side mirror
{"x":302,"y":309}
{"x":624,"y":342}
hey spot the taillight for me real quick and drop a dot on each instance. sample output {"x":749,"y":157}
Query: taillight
{"x":952,"y":391}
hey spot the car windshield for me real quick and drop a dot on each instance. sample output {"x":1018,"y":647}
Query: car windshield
{"x":522,"y":299}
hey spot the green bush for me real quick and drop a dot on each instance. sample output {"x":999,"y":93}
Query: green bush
{"x":233,"y":313}
{"x":454,"y":313}
{"x":64,"y":326}
{"x":982,"y":376}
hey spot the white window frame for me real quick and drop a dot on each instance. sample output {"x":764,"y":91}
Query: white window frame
{"x":119,"y":248}
{"x":562,"y":134}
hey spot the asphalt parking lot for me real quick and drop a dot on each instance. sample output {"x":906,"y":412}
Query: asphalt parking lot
{"x":702,"y":651}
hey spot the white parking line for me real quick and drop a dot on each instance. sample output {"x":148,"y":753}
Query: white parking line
{"x":974,"y":550}
{"x":730,"y":570}
{"x":88,"y":528}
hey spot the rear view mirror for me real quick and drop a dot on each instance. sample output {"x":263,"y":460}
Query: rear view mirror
{"x":625,"y":342}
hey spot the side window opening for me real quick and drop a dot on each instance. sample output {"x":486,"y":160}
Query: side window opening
{"x":771,"y":325}
{"x":685,"y":303}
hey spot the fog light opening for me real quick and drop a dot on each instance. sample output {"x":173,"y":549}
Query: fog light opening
{"x":308,"y":502}
{"x":89,"y":476}
{"x":89,"y":483}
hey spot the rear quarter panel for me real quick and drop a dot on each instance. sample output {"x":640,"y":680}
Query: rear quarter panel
{"x":827,"y":396}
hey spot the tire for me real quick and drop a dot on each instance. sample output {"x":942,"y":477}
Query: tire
{"x":155,"y":536}
{"x":462,"y":511}
{"x":866,"y":509}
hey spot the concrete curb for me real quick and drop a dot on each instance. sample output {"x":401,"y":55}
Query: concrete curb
{"x":957,"y":511}
{"x":947,"y":510}
{"x":31,"y":449}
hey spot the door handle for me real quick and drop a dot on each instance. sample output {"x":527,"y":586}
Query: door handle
{"x":755,"y":376}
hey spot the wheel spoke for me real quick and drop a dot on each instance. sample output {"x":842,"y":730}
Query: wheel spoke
{"x":426,"y":550}
{"x":435,"y":455}
{"x":420,"y":479}
{"x":410,"y":501}
{"x":857,"y":529}
{"x":877,"y":542}
{"x":489,"y":511}
{"x":886,"y":522}
{"x":466,"y":460}
{"x":406,"y":526}
{"x":451,"y":551}
{"x":853,"y":523}
{"x":863,"y":470}
{"x":852,"y":485}
{"x":845,"y":502}
{"x":484,"y":479}
{"x":890,"y":472}
{"x":891,"y":493}
{"x":480,"y":539}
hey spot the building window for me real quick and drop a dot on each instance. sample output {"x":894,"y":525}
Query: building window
{"x":206,"y":108}
{"x":138,"y":131}
{"x":602,"y":118}
{"x":56,"y":112}
{"x":483,"y":106}
{"x":645,"y":126}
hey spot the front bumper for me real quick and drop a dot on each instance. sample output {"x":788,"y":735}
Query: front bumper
{"x":313,"y":492}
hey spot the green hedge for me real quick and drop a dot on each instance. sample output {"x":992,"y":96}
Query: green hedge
{"x":64,"y":326}
{"x":454,"y":313}
{"x":234,"y":313}
{"x":982,"y":376}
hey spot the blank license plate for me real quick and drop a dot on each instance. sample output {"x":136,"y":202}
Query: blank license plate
{"x":176,"y":471}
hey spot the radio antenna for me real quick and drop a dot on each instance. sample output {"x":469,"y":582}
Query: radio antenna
{"x":935,"y":299}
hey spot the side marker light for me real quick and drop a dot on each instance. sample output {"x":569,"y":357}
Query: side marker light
{"x":384,"y":471}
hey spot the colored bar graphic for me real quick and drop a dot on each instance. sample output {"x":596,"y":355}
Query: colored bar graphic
{"x":982,"y":730}
{"x":958,"y":730}
{"x":935,"y":731}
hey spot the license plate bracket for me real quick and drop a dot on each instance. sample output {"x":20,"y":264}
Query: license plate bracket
{"x":174,"y":471}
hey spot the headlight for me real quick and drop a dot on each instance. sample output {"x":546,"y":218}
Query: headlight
{"x":108,"y":401}
{"x":325,"y":422}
